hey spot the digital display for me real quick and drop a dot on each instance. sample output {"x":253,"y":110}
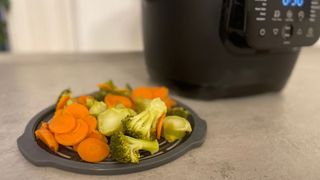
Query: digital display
{"x":293,"y":3}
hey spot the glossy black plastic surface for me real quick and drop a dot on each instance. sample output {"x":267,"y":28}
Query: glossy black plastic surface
{"x":187,"y":48}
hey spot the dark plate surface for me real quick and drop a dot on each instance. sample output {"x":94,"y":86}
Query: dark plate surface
{"x":66,"y":159}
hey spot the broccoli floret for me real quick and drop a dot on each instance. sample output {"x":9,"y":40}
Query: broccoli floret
{"x":125,"y":149}
{"x":143,"y":125}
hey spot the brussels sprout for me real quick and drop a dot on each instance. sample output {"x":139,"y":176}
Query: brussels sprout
{"x":97,"y":108}
{"x":90,"y":101}
{"x":110,"y":120}
{"x":178,"y":111}
{"x":175,"y":127}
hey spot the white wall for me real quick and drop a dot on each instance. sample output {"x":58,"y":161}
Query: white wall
{"x":41,"y":26}
{"x":75,"y":25}
{"x":112,"y":25}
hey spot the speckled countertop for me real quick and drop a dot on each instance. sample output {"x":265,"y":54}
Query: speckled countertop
{"x":270,"y":136}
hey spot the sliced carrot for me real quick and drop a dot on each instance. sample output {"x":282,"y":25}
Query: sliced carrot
{"x":77,"y":110}
{"x":161,"y":92}
{"x":75,"y":136}
{"x":96,"y":134}
{"x":153,"y":92}
{"x":91,"y":122}
{"x":63,"y":98}
{"x":142,"y":92}
{"x":82,"y":100}
{"x":160,"y":124}
{"x":169,"y":102}
{"x":47,"y":137}
{"x":62,"y":123}
{"x":44,"y":125}
{"x":93,"y":150}
{"x":62,"y":102}
{"x":112,"y":100}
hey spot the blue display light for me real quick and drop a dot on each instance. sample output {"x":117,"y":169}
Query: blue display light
{"x":293,"y":3}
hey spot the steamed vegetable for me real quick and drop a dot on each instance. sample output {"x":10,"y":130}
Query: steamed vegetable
{"x":175,"y":127}
{"x":62,"y":123}
{"x":160,"y":124}
{"x":97,"y":107}
{"x":140,"y":104}
{"x":75,"y":136}
{"x":77,"y":110}
{"x":109,"y":121}
{"x":152,"y":93}
{"x":93,"y":150}
{"x":125,"y":149}
{"x":134,"y":119}
{"x":110,"y":88}
{"x":113,"y":100}
{"x":47,"y":137}
{"x":143,"y":125}
{"x":63,"y":98}
{"x":178,"y":111}
{"x":91,"y":122}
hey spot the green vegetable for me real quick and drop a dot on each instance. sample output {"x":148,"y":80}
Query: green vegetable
{"x":125,"y":149}
{"x":143,"y":125}
{"x":175,"y":127}
{"x":178,"y":111}
{"x":110,"y":120}
{"x":97,"y":108}
{"x":141,"y":104}
{"x":90,"y":101}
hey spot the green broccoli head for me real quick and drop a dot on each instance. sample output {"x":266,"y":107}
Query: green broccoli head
{"x":143,"y":125}
{"x":125,"y":149}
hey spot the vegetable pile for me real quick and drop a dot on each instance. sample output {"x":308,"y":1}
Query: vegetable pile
{"x":114,"y":122}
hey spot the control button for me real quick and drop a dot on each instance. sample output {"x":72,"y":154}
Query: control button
{"x":277,"y":13}
{"x":262,"y":32}
{"x":310,"y":32}
{"x":301,"y":15}
{"x":275,"y":31}
{"x":289,"y":14}
{"x":287,"y":32}
{"x":299,"y":32}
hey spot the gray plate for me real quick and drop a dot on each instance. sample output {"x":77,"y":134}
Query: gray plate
{"x":66,"y":159}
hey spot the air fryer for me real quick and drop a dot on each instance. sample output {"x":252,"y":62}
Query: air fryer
{"x":226,"y":48}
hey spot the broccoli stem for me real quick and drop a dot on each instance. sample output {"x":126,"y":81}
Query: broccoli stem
{"x":151,"y":146}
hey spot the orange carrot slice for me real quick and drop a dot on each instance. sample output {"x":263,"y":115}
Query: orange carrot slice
{"x":160,"y":124}
{"x":62,"y":123}
{"x":75,"y":136}
{"x":91,"y":122}
{"x":77,"y":110}
{"x":93,"y":150}
{"x":44,"y":125}
{"x":82,"y":100}
{"x":112,"y":100}
{"x":47,"y":137}
{"x":142,"y":92}
{"x":96,"y":134}
{"x":161,"y":92}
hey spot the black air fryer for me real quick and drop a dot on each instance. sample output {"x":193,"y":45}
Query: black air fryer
{"x":226,"y":48}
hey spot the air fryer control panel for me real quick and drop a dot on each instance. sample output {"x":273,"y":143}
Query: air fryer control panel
{"x":268,"y":24}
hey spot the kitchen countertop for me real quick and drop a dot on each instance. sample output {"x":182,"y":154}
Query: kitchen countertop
{"x":270,"y":136}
